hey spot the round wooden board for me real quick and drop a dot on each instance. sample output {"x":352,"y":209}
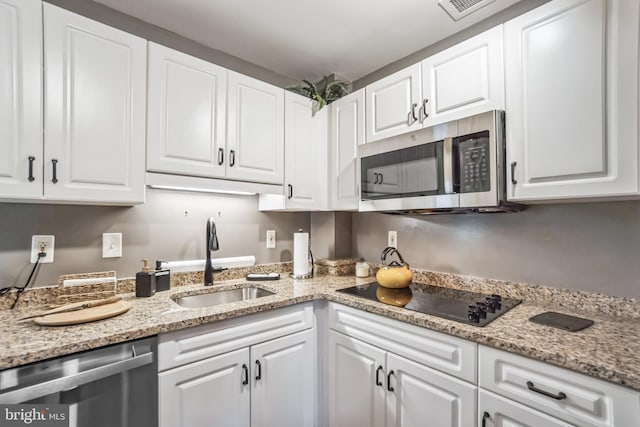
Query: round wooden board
{"x":83,"y":316}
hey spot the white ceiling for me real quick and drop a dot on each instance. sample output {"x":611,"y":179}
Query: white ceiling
{"x":306,"y":39}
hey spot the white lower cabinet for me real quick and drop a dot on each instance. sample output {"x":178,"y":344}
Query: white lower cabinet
{"x":356,"y":383}
{"x":268,"y":383}
{"x":562,"y":394}
{"x":282,"y":381}
{"x":372,"y":387}
{"x":496,"y":411}
{"x":416,"y":393}
{"x":382,"y":372}
{"x":212,"y":392}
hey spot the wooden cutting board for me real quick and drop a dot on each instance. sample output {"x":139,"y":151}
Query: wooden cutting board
{"x":83,"y":316}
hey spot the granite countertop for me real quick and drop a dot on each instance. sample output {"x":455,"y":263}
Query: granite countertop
{"x":608,"y":350}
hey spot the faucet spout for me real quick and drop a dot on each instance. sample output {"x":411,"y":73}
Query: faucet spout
{"x":212,"y":245}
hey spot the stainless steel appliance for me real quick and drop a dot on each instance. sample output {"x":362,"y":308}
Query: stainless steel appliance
{"x":457,"y":166}
{"x":454,"y":304}
{"x":105,"y":387}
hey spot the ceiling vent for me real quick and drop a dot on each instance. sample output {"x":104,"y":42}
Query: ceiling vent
{"x":460,"y":8}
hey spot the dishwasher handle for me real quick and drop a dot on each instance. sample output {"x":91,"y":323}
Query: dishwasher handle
{"x":70,"y":381}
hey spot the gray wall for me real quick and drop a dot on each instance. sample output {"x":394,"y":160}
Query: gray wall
{"x":585,"y":246}
{"x":170,"y":226}
{"x":114,"y":18}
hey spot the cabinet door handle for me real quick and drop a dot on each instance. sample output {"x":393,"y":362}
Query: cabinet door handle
{"x":31,"y":178}
{"x":54,"y":164}
{"x":485,"y":417}
{"x":289,"y":191}
{"x":423,"y":110}
{"x":245,"y":375}
{"x":232,"y":160}
{"x":378,"y":382}
{"x":389,"y":387}
{"x":513,"y":173}
{"x":220,"y":156}
{"x":559,"y":396}
{"x":411,"y":117}
{"x":259,"y":370}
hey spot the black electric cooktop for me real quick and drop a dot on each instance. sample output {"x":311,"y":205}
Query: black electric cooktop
{"x":462,"y":306}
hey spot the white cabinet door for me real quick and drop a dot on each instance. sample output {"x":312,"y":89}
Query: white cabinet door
{"x":496,"y":411}
{"x":347,"y":132}
{"x":212,"y":392}
{"x":572,"y":100}
{"x":305,"y":153}
{"x":255,"y":132}
{"x":463,"y":80}
{"x":187,"y":106}
{"x":417,"y":393}
{"x":356,"y":382}
{"x":95,"y":108}
{"x":282,"y":378}
{"x":393,"y":103}
{"x":21,"y":99}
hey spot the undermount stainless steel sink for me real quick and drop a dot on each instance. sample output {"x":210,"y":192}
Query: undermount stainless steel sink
{"x":222,"y":297}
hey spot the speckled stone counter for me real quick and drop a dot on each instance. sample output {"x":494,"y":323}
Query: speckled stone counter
{"x":608,"y":350}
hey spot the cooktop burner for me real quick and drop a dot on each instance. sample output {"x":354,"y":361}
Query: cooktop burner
{"x":462,"y":306}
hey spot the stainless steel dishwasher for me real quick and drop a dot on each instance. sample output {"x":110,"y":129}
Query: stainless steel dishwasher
{"x":114,"y":386}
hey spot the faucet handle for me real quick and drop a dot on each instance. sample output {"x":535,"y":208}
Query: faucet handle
{"x":213,"y":236}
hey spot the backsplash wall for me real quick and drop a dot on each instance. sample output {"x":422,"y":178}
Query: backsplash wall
{"x":169,"y":226}
{"x":583,"y":246}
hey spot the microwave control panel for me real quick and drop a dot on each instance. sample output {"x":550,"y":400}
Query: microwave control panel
{"x":474,"y":162}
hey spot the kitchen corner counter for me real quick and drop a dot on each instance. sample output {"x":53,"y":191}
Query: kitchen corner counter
{"x":608,"y":350}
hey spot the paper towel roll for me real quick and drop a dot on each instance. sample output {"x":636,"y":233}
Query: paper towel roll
{"x":300,"y":254}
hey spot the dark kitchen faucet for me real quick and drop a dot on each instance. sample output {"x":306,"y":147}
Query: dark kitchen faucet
{"x":212,"y":245}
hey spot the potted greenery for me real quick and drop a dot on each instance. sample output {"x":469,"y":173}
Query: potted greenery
{"x":322,"y":95}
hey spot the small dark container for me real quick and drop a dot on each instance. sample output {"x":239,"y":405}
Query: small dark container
{"x":145,"y":283}
{"x":163,"y":278}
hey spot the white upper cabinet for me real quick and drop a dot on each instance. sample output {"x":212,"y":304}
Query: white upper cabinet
{"x":187,"y":106}
{"x":346,"y":133}
{"x":95,"y":110}
{"x":572,"y":100}
{"x":255,"y":132}
{"x":305,"y":155}
{"x":393,"y":103}
{"x":21,"y":99}
{"x":463,"y":80}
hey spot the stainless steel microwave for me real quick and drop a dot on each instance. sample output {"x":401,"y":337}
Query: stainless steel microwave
{"x":454,"y":167}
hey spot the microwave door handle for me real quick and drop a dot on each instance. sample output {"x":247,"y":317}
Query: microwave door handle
{"x":448,"y":165}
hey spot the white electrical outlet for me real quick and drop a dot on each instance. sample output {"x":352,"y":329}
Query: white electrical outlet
{"x":271,"y":239}
{"x":392,"y":239}
{"x":44,"y":244}
{"x":111,"y":245}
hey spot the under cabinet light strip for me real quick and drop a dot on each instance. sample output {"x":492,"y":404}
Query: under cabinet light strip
{"x":201,"y":190}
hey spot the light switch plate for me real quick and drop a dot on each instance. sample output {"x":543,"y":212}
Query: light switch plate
{"x":271,"y":239}
{"x":111,"y":245}
{"x":392,"y":239}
